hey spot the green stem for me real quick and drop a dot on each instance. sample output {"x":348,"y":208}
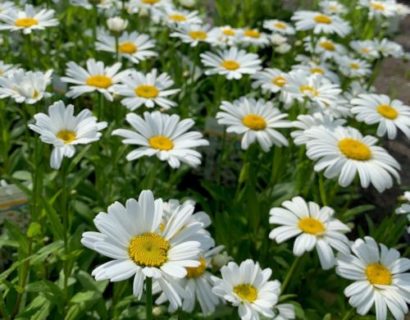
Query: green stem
{"x":117,"y":55}
{"x":348,"y":314}
{"x":64,"y":209}
{"x":148,"y":293}
{"x":322,"y":190}
{"x":3,"y":311}
{"x":290,"y":273}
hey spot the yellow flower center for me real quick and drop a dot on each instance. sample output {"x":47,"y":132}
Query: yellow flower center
{"x":312,"y":226}
{"x":252,"y":33}
{"x":149,"y":250}
{"x":228,"y":32}
{"x":327,"y":45}
{"x":280,"y":25}
{"x":177,"y":17}
{"x":323,"y":19}
{"x":231,"y":65}
{"x":254,"y":122}
{"x":161,"y":143}
{"x":198,"y":35}
{"x":146,"y":91}
{"x":365,"y":50}
{"x":99,"y":81}
{"x":387,"y":111}
{"x":67,"y":136}
{"x":127,"y":47}
{"x":377,"y":6}
{"x":377,"y":273}
{"x":196,"y":272}
{"x":317,"y":70}
{"x":26,"y":22}
{"x":150,"y":2}
{"x":279,"y":81}
{"x":355,"y":149}
{"x":306,"y":89}
{"x":246,"y":292}
{"x":354,"y":66}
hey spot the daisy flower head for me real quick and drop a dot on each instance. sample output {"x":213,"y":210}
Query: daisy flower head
{"x":146,"y":89}
{"x":27,"y":20}
{"x":25,"y":86}
{"x":345,"y":153}
{"x":192,"y":34}
{"x":313,"y":227}
{"x":140,"y":247}
{"x":402,"y":10}
{"x":315,"y":89}
{"x":284,"y":311}
{"x":391,"y":115}
{"x":367,"y":49}
{"x":388,"y":48}
{"x":164,"y":136}
{"x":247,"y":287}
{"x":304,"y":124}
{"x":152,"y":6}
{"x":96,"y":77}
{"x":256,"y":120}
{"x":321,"y":23}
{"x":61,"y":128}
{"x":177,"y":17}
{"x":332,"y":7}
{"x":89,"y":4}
{"x":6,"y":69}
{"x":315,"y":68}
{"x":353,"y":67}
{"x":223,"y":36}
{"x":232,"y":63}
{"x":325,"y":48}
{"x":133,"y":46}
{"x":252,"y":37}
{"x":279,"y":26}
{"x":380,"y":279}
{"x":379,"y":8}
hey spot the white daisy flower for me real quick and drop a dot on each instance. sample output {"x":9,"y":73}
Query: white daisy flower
{"x":278,"y":26}
{"x":402,"y":10}
{"x":164,"y":136}
{"x":272,"y":80}
{"x":389,"y":48}
{"x":313,"y":227}
{"x":332,"y":7}
{"x":315,"y":89}
{"x":176,"y":17}
{"x":25,"y":86}
{"x":131,"y":235}
{"x":321,"y":23}
{"x":192,"y":34}
{"x":117,"y":24}
{"x":223,"y":36}
{"x":27,"y":20}
{"x":391,"y":115}
{"x":96,"y":77}
{"x":152,"y":6}
{"x":6,"y":69}
{"x":345,"y":153}
{"x":61,"y":128}
{"x":353,"y":67}
{"x":256,"y":120}
{"x":305,"y":122}
{"x":247,"y":287}
{"x":314,"y":68}
{"x":380,"y":279}
{"x":404,"y":208}
{"x":252,"y":37}
{"x":89,"y":4}
{"x":146,"y":89}
{"x":134,"y":46}
{"x":325,"y":48}
{"x":367,"y":49}
{"x":379,"y":8}
{"x":232,"y":63}
{"x":6,"y":6}
{"x":285,"y":311}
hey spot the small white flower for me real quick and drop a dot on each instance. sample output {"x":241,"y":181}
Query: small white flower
{"x":232,"y":63}
{"x":64,"y":130}
{"x":389,"y":48}
{"x":391,"y":115}
{"x":367,"y":49}
{"x":192,"y":34}
{"x":247,"y":287}
{"x":314,"y":68}
{"x":6,"y":69}
{"x":146,"y":89}
{"x":332,"y":7}
{"x":96,"y":77}
{"x":223,"y":36}
{"x":321,"y":23}
{"x":325,"y":48}
{"x":313,"y":227}
{"x":164,"y":136}
{"x":27,"y":20}
{"x":253,"y":37}
{"x":380,"y":279}
{"x":177,"y":17}
{"x":278,"y":26}
{"x":117,"y":24}
{"x":379,"y":8}
{"x":353,"y":67}
{"x":256,"y":120}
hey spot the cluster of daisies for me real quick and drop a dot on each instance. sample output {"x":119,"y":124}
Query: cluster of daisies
{"x":316,"y":103}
